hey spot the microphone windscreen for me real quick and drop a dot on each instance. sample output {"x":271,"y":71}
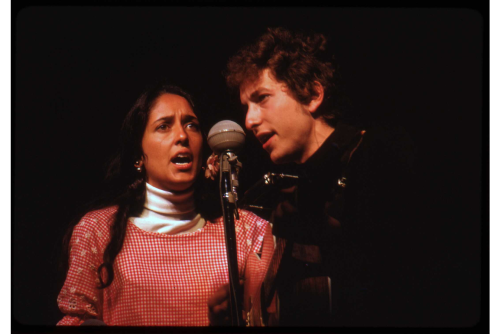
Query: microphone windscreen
{"x":226,"y":136}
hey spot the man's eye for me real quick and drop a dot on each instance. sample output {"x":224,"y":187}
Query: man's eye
{"x":263,"y":97}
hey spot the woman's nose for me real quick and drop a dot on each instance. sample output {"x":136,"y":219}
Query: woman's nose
{"x":180,"y":134}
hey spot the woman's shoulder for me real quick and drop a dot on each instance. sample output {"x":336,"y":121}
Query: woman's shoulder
{"x":93,"y":228}
{"x":98,"y":219}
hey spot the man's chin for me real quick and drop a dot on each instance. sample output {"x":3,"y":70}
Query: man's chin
{"x":279,"y":159}
{"x":284,"y":157}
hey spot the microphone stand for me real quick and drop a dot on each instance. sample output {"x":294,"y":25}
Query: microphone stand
{"x":229,"y":168}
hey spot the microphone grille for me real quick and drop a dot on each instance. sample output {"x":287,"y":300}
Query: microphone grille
{"x":226,"y":135}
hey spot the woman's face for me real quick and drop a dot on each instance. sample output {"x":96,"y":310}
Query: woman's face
{"x":172,"y":144}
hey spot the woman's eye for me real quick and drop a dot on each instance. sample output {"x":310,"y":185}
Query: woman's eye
{"x":193,"y":126}
{"x":162,"y":127}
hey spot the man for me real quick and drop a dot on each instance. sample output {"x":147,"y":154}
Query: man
{"x":347,"y":218}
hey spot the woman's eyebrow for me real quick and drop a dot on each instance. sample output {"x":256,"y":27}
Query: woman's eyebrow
{"x":164,"y":119}
{"x":187,"y":118}
{"x":169,"y":119}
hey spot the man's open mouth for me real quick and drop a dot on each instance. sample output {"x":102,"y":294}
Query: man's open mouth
{"x":263,"y":138}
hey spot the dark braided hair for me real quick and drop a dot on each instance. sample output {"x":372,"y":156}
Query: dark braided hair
{"x":125,"y":186}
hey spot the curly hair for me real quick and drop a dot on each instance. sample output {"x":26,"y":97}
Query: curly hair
{"x":295,"y":59}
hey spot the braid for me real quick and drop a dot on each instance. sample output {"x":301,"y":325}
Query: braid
{"x":130,"y":204}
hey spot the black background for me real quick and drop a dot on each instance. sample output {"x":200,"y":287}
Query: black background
{"x":78,"y":70}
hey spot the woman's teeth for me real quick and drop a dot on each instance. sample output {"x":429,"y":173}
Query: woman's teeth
{"x":182,"y":159}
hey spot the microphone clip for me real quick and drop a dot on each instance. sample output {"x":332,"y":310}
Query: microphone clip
{"x":229,"y":164}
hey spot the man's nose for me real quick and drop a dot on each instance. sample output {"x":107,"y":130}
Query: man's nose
{"x":253,"y":117}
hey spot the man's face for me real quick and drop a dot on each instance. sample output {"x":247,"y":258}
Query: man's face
{"x":282,"y":124}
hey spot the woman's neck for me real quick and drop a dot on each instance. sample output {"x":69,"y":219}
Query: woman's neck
{"x":168,"y":212}
{"x":169,"y":203}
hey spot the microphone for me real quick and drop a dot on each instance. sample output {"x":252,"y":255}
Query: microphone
{"x":226,"y":138}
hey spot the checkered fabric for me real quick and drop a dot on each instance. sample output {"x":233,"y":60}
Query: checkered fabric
{"x":160,"y":279}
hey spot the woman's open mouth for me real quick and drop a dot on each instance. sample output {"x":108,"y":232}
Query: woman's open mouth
{"x":182,"y":161}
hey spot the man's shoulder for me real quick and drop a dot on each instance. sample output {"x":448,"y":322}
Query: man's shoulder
{"x":386,"y":131}
{"x":388,"y":141}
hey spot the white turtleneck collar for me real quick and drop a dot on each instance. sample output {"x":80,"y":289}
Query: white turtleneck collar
{"x":168,"y":212}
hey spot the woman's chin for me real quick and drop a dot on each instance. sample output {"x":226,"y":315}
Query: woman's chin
{"x":176,"y":186}
{"x":180,"y":186}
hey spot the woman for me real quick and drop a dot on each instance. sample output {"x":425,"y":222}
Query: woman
{"x":146,"y":256}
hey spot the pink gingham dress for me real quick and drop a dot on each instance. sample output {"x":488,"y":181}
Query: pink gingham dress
{"x":160,"y":279}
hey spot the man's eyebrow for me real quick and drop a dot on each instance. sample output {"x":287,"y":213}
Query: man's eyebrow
{"x":257,"y":92}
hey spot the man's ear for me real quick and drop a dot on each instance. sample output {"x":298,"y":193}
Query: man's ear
{"x":317,"y":97}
